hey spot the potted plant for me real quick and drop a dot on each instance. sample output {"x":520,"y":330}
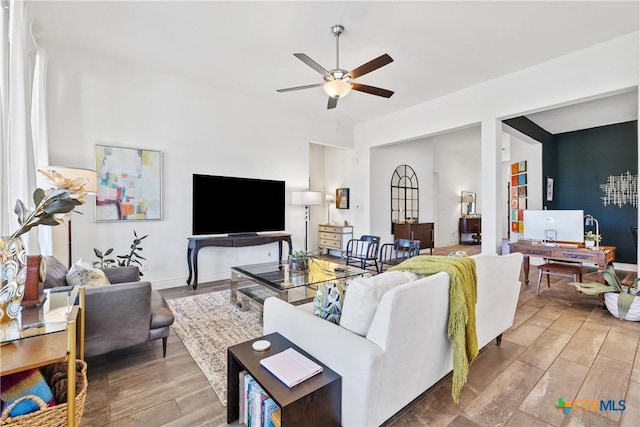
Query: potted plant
{"x":299,"y":260}
{"x":622,"y":301}
{"x":590,"y":238}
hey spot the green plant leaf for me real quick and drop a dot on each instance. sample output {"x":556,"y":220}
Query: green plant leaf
{"x":59,"y":206}
{"x":624,"y":304}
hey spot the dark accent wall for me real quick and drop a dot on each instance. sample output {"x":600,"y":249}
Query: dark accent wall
{"x":583,"y":161}
{"x":580,"y":162}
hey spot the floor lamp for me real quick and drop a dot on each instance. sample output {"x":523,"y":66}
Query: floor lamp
{"x":90,"y":187}
{"x":306,"y":198}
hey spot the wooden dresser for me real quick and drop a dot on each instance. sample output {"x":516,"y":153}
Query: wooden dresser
{"x":470,"y":226}
{"x":419,"y":231}
{"x":334,"y":237}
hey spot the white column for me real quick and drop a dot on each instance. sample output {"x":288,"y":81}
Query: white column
{"x":490,"y":147}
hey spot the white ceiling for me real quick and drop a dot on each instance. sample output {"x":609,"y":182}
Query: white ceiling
{"x":438,"y":47}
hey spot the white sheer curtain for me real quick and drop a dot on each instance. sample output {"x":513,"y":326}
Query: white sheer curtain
{"x":39,"y":134}
{"x":19,"y":149}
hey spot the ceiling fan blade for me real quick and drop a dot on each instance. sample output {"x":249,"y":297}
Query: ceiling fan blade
{"x":370,"y":66}
{"x":311,"y":63}
{"x":372,"y":90}
{"x":289,"y":89}
{"x":333,"y":103}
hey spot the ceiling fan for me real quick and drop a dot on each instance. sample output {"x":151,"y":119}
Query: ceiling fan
{"x":339,"y":82}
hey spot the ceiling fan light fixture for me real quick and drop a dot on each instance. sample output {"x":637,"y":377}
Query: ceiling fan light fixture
{"x":337,"y":88}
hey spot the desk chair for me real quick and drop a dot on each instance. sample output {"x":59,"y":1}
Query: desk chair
{"x":558,"y":268}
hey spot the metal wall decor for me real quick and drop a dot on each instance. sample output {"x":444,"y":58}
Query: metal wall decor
{"x":620,"y":190}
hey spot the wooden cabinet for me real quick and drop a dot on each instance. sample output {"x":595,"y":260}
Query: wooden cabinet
{"x":419,"y":231}
{"x":334,"y":237}
{"x":470,"y":228}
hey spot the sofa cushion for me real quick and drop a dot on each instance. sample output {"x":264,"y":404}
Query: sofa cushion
{"x":83,"y":274}
{"x":328,"y":301}
{"x":363,"y":295}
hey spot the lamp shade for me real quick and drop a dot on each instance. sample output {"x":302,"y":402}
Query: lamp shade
{"x":306,"y":198}
{"x":329,"y":198}
{"x":337,"y":88}
{"x":71,"y":174}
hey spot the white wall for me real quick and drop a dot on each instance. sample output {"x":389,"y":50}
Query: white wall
{"x":596,"y":71}
{"x":457,"y":162}
{"x":199,"y":129}
{"x":384,"y":161}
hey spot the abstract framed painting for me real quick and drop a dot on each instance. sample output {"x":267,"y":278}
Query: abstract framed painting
{"x":129,"y":184}
{"x":342,"y":198}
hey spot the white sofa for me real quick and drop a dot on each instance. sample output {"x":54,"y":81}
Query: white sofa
{"x":406,"y":349}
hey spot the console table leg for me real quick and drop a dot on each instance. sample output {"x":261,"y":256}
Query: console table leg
{"x":195,"y":268}
{"x":189,"y":265}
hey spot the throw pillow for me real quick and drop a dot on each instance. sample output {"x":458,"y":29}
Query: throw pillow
{"x":363,"y":295}
{"x":24,"y":383}
{"x":83,"y":274}
{"x":327,"y":303}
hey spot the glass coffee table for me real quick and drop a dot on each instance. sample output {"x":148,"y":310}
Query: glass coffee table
{"x":296,"y":287}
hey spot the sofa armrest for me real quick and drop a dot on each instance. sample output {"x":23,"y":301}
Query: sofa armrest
{"x":122,"y":274}
{"x":358,"y":360}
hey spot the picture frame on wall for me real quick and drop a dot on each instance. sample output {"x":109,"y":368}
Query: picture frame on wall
{"x":342,"y":198}
{"x":129,"y":184}
{"x":549,"y":189}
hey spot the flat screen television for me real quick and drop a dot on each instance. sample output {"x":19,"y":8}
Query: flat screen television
{"x":233,"y":205}
{"x":550,"y":225}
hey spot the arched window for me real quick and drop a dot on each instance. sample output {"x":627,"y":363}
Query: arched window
{"x":404,"y":196}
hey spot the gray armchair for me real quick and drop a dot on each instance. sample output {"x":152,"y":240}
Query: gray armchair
{"x":126,"y":313}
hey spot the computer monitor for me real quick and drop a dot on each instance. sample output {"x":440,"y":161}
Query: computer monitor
{"x":554,"y":225}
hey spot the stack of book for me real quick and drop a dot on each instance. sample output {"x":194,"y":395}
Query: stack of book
{"x":257,"y":409}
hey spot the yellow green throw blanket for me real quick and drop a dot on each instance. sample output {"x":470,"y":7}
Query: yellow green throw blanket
{"x":462,"y":308}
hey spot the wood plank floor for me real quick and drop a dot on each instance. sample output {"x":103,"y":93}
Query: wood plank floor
{"x":557,"y":347}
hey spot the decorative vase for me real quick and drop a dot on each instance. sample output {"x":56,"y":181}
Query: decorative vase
{"x":611,"y":301}
{"x":298,"y":264}
{"x":589,"y":243}
{"x":13,"y":277}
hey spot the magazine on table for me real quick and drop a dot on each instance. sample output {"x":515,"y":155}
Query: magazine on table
{"x":291,"y":367}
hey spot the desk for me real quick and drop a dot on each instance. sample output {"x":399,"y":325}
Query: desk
{"x":602,"y":257}
{"x":249,"y":239}
{"x":43,"y":346}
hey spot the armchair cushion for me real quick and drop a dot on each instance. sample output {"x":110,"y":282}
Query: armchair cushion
{"x":83,"y":274}
{"x":363,"y":295}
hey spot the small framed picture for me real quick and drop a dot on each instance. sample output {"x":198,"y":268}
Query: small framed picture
{"x":549,"y":189}
{"x":342,"y":198}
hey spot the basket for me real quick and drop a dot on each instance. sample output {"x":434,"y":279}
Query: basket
{"x":48,"y":416}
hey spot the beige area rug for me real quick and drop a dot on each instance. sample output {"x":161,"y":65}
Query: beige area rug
{"x":207,"y":324}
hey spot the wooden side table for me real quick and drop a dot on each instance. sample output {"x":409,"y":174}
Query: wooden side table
{"x":314,"y":402}
{"x":46,"y":345}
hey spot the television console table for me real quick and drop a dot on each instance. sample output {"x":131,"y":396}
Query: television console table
{"x":234,"y":241}
{"x":602,"y":257}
